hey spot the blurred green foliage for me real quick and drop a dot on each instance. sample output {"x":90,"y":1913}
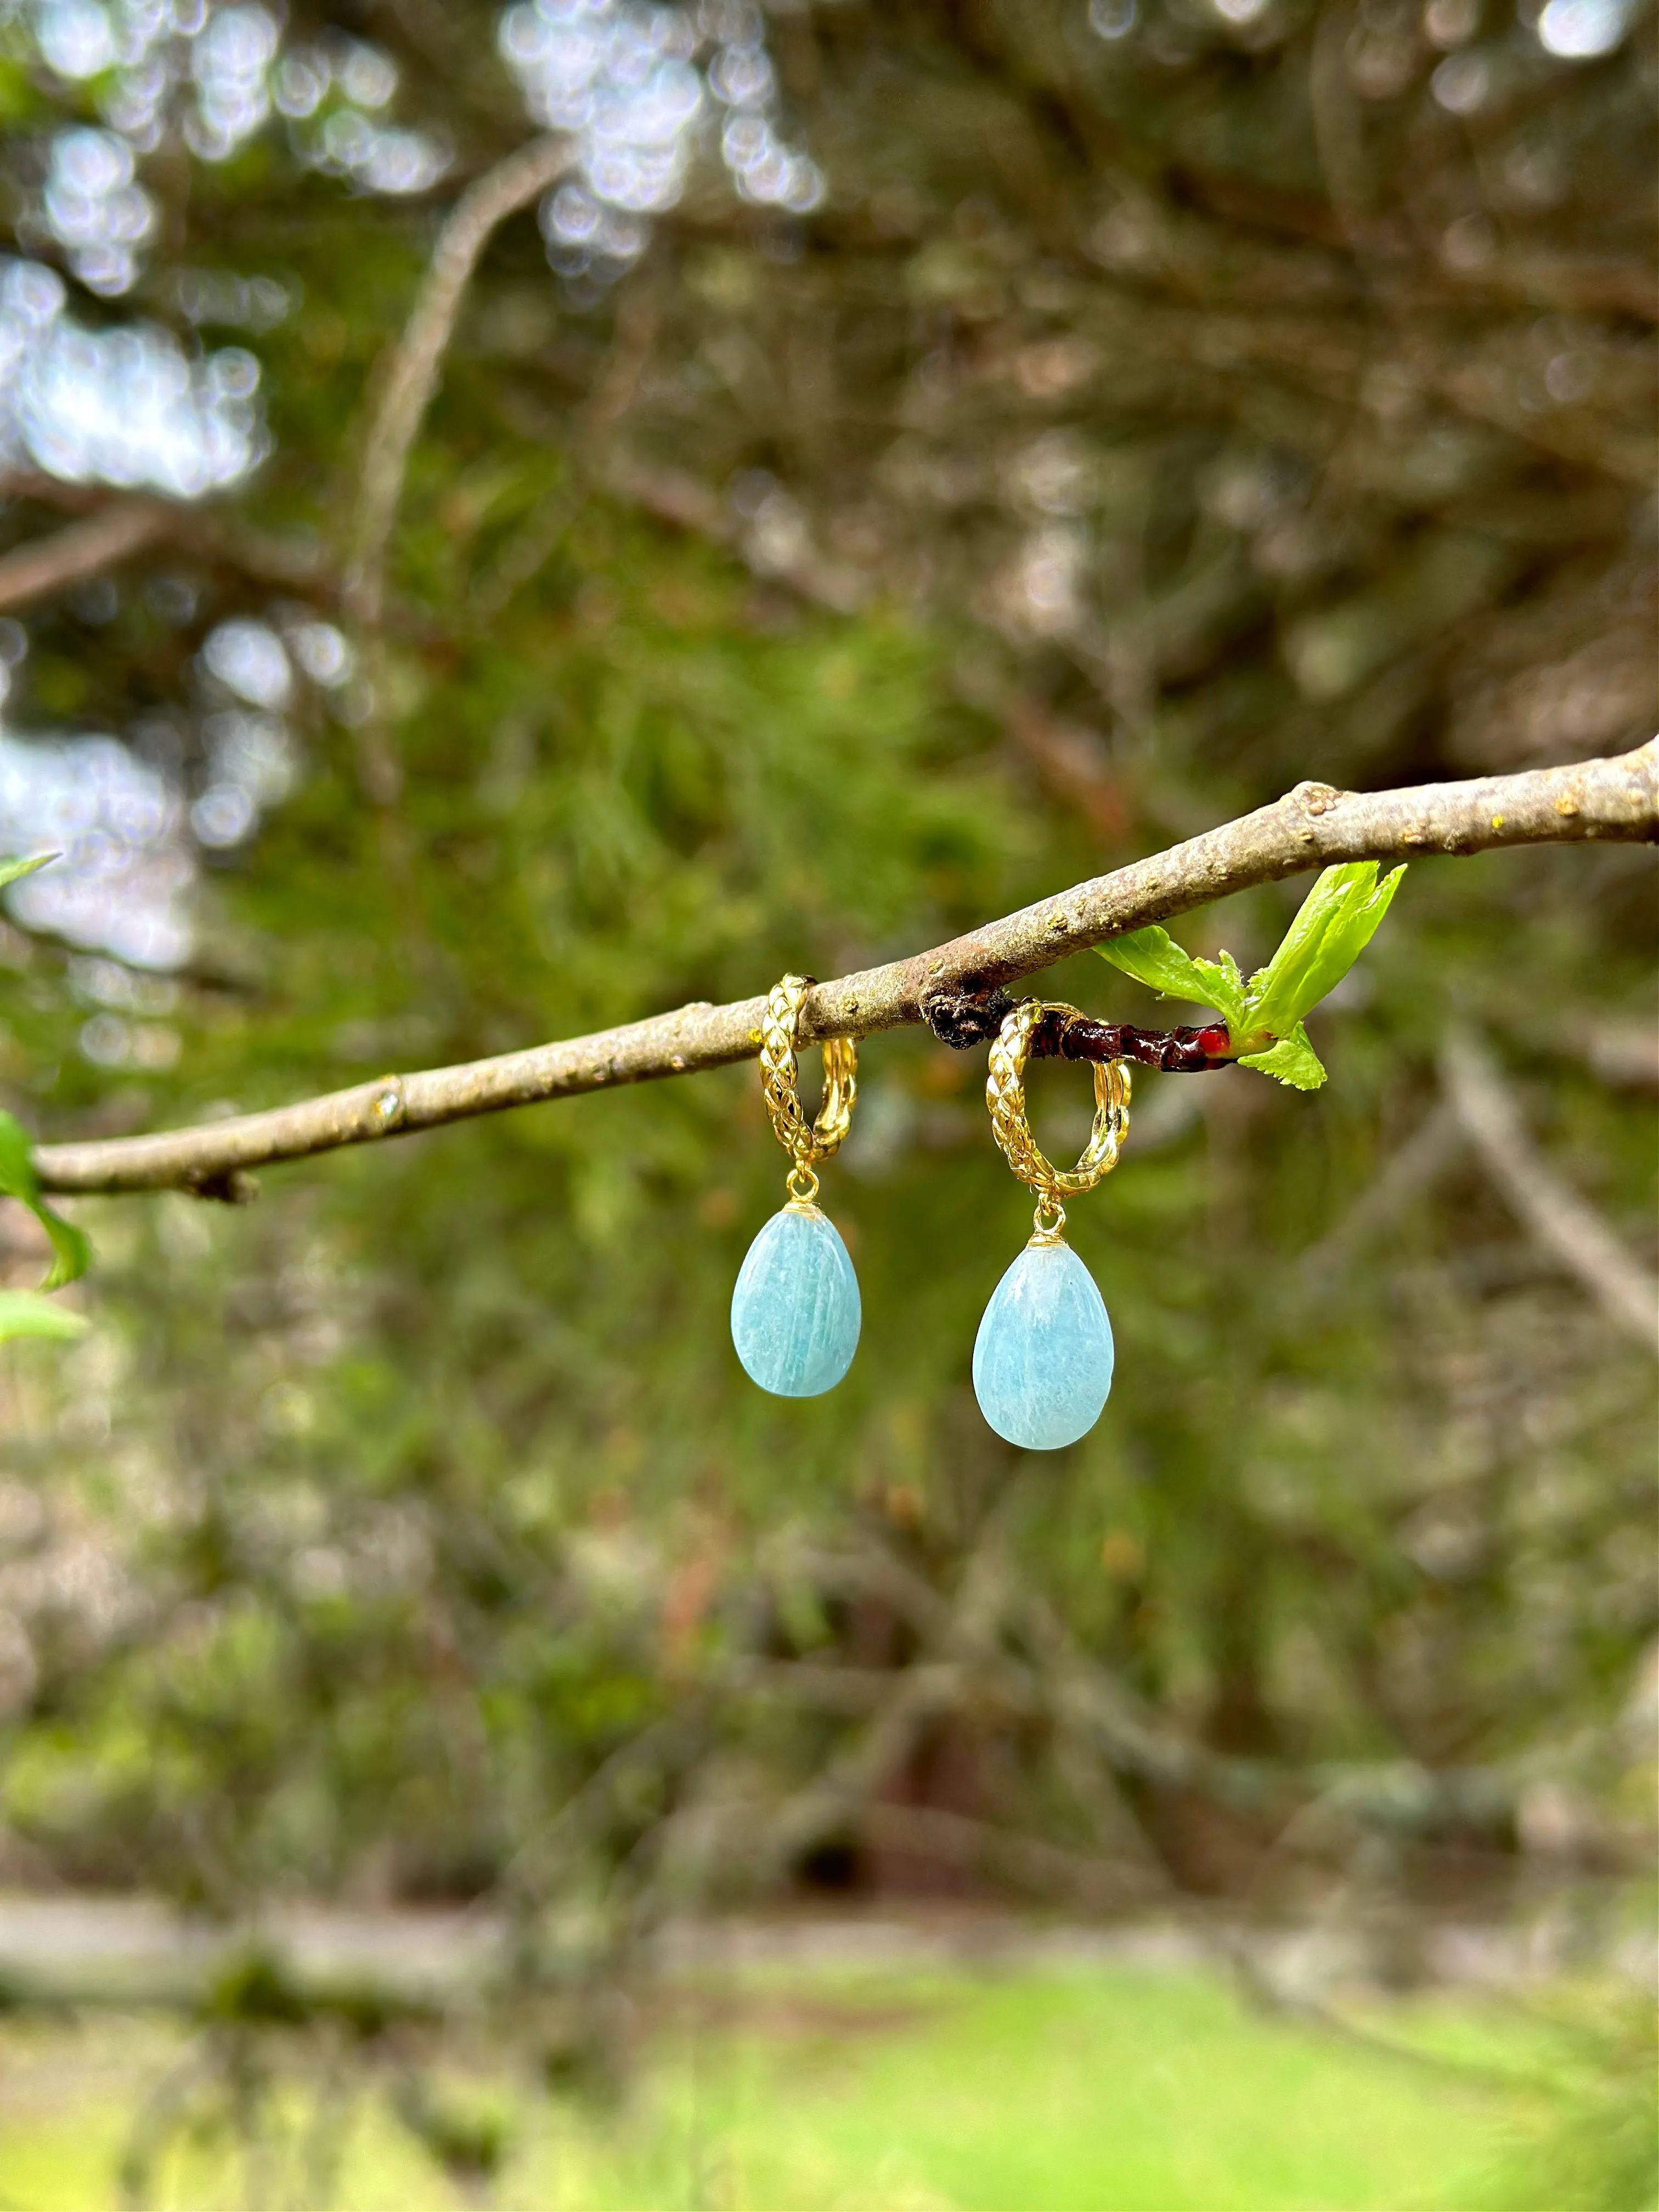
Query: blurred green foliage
{"x":1123,"y":439}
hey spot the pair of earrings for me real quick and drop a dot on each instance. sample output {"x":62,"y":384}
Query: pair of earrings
{"x":1043,"y":1355}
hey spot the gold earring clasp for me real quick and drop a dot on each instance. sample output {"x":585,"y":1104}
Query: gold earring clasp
{"x":1005,"y":1094}
{"x":805,"y":1142}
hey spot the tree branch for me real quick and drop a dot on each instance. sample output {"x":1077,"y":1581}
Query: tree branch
{"x":1601,"y":799}
{"x":413,"y":378}
{"x":1432,"y":1147}
{"x":1565,"y":1226}
{"x":44,"y":565}
{"x":112,"y":530}
{"x":404,"y":397}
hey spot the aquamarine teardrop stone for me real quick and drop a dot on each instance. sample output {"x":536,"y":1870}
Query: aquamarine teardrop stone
{"x":1043,"y":1359}
{"x":795,"y":1311}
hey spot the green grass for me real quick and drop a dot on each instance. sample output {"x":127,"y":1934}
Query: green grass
{"x":1142,"y":2091}
{"x":1060,"y":2091}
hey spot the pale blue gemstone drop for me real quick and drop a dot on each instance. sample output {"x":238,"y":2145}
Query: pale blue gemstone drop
{"x":1043,"y":1359}
{"x":795,"y":1311}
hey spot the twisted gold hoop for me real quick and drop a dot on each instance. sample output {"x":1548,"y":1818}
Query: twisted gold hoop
{"x":1005,"y":1094}
{"x":805,"y":1142}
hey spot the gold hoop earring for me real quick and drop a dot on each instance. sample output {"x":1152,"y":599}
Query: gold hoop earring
{"x":795,"y":1310}
{"x":805,"y":1143}
{"x":1043,"y":1355}
{"x":1005,"y":1094}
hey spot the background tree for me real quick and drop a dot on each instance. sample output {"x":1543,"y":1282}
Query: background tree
{"x":952,"y":450}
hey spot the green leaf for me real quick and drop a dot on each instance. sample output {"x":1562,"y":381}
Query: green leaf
{"x":26,"y":1313}
{"x":1152,"y":956}
{"x":11,"y":870}
{"x":71,"y":1247}
{"x":1223,"y":990}
{"x":1335,"y":923}
{"x":1292,"y":1060}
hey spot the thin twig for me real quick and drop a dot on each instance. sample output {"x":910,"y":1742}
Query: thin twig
{"x":109,"y":531}
{"x":1430,"y":1148}
{"x":413,"y":376}
{"x":79,"y":551}
{"x":962,"y":1639}
{"x":1564,"y":1224}
{"x":1600,"y":800}
{"x":410,"y":381}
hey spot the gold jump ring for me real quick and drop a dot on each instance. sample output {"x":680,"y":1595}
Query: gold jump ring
{"x":1005,"y":1094}
{"x":803,"y":1141}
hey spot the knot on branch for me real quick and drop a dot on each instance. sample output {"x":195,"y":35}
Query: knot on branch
{"x":386,"y":1110}
{"x":963,"y":1019}
{"x":1316,"y":797}
{"x":225,"y":1186}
